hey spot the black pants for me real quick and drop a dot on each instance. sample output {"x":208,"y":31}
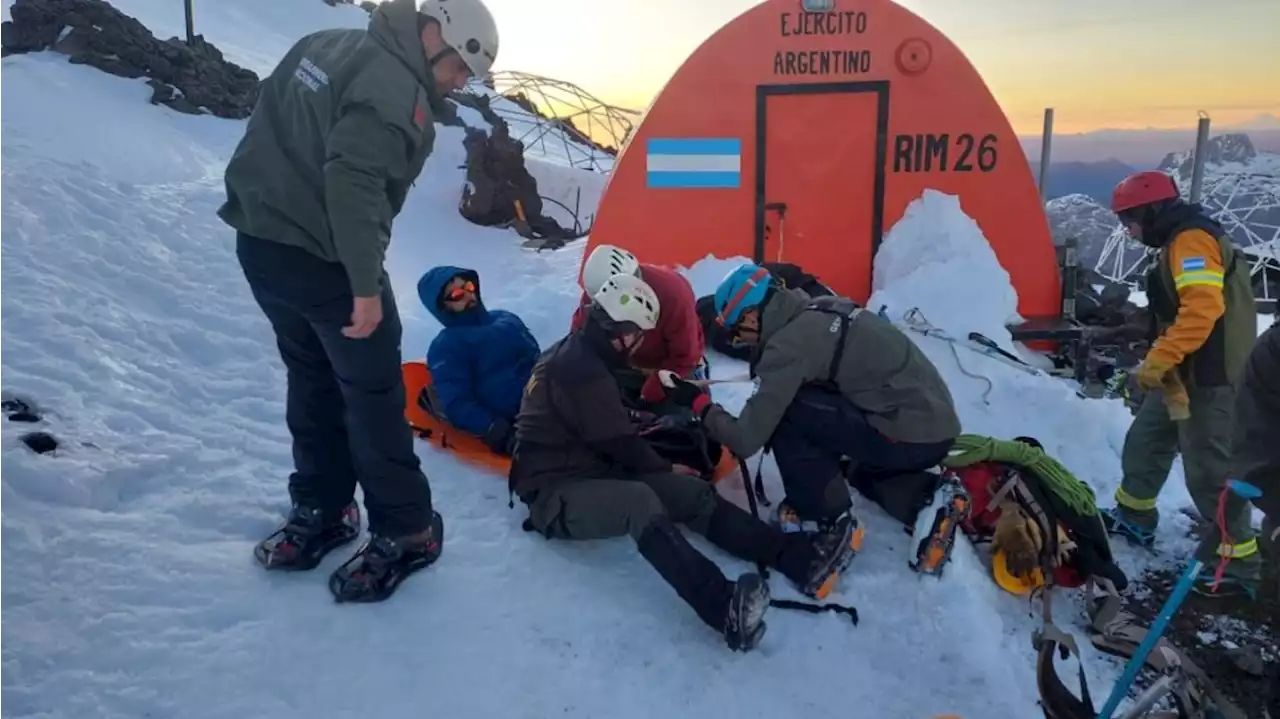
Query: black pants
{"x":818,"y":428}
{"x":345,"y":396}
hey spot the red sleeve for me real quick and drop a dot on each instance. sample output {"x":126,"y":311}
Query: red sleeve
{"x":682,"y":330}
{"x":580,"y":314}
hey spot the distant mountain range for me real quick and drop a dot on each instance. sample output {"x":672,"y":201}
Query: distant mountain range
{"x":1091,"y":179}
{"x":1092,"y":163}
{"x":1145,"y":148}
{"x":1237,"y":176}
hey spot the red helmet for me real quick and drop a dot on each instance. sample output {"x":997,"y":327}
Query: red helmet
{"x":1142,"y":188}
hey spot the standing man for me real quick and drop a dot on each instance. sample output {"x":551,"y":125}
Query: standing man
{"x":342,"y":128}
{"x":1202,"y":303}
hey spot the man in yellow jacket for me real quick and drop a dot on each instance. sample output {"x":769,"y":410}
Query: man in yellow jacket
{"x":1202,"y":306}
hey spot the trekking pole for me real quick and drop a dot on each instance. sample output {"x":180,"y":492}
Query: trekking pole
{"x":1139,"y":657}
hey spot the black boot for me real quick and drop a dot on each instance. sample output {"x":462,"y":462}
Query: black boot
{"x":376,"y":570}
{"x":734,"y":609}
{"x":814,"y":561}
{"x":307,"y":536}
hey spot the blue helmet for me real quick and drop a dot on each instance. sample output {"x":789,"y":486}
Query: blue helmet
{"x":745,"y":287}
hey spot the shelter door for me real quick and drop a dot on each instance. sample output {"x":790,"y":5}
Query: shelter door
{"x":822,"y":191}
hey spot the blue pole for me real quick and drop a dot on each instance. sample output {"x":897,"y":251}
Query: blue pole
{"x":1153,"y":635}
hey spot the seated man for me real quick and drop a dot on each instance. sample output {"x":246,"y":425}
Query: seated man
{"x":785,"y":274}
{"x":585,"y":473}
{"x":676,"y":344}
{"x":833,"y":382}
{"x":479,"y":362}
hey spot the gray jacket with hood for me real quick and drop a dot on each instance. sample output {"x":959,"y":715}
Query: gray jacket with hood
{"x":342,"y":128}
{"x":882,"y":372}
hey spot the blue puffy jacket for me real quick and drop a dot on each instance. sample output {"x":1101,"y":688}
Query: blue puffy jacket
{"x":480,"y":361}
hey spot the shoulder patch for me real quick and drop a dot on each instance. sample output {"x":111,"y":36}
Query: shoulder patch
{"x":419,"y":116}
{"x":1192,"y":264}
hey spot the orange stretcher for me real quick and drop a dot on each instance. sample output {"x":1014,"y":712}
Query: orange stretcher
{"x":468,"y":447}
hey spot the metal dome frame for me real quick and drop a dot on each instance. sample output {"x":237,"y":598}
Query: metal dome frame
{"x":561,"y":110}
{"x":1123,"y":258}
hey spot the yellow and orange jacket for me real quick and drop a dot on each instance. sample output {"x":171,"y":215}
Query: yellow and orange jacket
{"x":1201,"y":300}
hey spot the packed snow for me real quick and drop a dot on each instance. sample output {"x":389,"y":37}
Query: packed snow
{"x":128,"y":584}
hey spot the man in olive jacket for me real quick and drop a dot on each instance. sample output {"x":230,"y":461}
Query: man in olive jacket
{"x":832,"y":381}
{"x":342,"y":128}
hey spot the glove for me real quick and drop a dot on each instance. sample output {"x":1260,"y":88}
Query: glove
{"x":1176,"y":401}
{"x":680,"y":419}
{"x":686,"y":394}
{"x":1150,"y":374}
{"x":1019,"y":537}
{"x":501,"y":437}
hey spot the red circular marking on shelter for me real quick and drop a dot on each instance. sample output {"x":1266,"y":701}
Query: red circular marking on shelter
{"x":794,"y":136}
{"x":914,"y":56}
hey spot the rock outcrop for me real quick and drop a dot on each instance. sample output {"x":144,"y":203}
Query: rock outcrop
{"x":193,"y":78}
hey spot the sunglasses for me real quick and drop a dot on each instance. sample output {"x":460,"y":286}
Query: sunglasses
{"x":458,"y":293}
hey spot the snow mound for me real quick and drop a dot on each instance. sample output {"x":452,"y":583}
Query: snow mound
{"x":937,"y":261}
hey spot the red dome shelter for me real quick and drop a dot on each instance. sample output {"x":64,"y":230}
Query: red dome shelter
{"x":802,"y":136}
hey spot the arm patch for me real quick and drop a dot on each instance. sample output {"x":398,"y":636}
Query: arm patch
{"x":1193,"y":264}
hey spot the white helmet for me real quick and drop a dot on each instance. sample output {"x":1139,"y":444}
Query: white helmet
{"x":468,"y":27}
{"x":627,"y":298}
{"x":604,"y":262}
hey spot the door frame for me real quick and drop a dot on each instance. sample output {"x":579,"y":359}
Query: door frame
{"x":881,"y":90}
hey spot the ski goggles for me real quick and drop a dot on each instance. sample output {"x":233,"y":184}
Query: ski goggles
{"x":459,"y":292}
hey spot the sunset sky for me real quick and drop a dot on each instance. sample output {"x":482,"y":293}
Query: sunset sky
{"x":1099,"y":63}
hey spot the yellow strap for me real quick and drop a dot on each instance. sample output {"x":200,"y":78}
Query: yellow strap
{"x":1242,"y":550}
{"x":1128,"y":500}
{"x":1202,"y":278}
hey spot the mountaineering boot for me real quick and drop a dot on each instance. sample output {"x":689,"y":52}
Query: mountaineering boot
{"x":736,"y":610}
{"x":935,"y":529}
{"x":306,"y":536}
{"x":844,"y":528}
{"x":373,"y":573}
{"x":744,"y":620}
{"x":1139,"y":528}
{"x":1242,"y":578}
{"x":814,"y":561}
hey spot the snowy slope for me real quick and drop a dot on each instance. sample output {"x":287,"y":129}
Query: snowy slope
{"x":128,"y":585}
{"x":255,"y":36}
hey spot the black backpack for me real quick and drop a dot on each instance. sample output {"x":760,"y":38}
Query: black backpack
{"x":681,"y":443}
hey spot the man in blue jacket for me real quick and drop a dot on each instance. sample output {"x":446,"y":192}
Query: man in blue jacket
{"x":479,"y":362}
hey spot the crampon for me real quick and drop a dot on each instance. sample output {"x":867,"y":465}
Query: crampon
{"x":934,"y":534}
